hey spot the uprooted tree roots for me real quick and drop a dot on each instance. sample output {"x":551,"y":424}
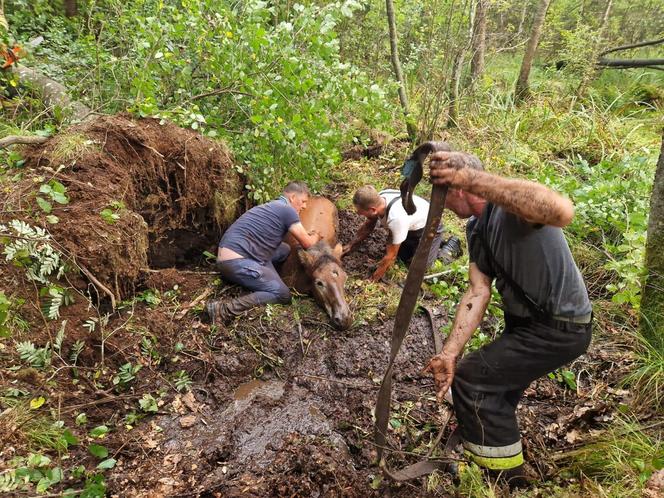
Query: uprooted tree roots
{"x":135,"y":188}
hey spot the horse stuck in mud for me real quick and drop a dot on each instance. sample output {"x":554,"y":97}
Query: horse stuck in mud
{"x":318,"y":271}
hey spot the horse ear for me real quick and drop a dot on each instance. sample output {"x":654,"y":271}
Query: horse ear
{"x":337,"y":251}
{"x":306,"y":259}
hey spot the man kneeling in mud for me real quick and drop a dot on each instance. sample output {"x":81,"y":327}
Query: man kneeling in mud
{"x":252,"y":245}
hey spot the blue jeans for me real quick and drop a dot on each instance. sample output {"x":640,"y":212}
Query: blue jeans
{"x":261,"y":278}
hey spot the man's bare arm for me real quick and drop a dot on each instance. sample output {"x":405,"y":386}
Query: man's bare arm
{"x":388,"y":260}
{"x":300,"y":233}
{"x":529,"y":200}
{"x":468,"y":317}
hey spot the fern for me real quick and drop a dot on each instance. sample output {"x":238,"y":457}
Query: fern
{"x":31,"y":249}
{"x":34,"y":356}
{"x":9,"y":481}
{"x":57,"y":344}
{"x":76,"y":349}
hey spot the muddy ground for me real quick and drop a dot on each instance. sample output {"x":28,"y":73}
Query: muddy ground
{"x":280,"y":403}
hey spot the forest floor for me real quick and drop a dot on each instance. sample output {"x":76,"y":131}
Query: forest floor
{"x":279,"y":403}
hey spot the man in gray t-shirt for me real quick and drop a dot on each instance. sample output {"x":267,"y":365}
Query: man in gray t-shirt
{"x":515,"y":238}
{"x":252,"y":244}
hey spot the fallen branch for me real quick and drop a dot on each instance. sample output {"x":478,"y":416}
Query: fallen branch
{"x":635,"y":45}
{"x":201,"y":297}
{"x":629,"y":63}
{"x":21,"y":139}
{"x":436,"y":275}
{"x":97,"y":283}
{"x":53,"y":93}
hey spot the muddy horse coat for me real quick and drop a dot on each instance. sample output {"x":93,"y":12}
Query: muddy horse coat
{"x":318,"y":271}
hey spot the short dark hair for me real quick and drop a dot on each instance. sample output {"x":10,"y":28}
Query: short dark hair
{"x":366,"y":197}
{"x":297,"y":187}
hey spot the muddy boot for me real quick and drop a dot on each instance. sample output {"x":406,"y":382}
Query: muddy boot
{"x":516,"y":478}
{"x":223,"y":312}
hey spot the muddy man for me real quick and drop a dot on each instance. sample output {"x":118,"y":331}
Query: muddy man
{"x":252,"y":245}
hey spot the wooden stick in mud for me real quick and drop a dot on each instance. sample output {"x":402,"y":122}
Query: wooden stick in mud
{"x":206,"y":293}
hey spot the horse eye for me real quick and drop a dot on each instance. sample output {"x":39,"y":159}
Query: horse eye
{"x":335,"y":274}
{"x":320,"y":283}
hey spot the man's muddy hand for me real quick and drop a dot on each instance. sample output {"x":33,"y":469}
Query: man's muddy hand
{"x":442,"y":368}
{"x":452,"y":169}
{"x":347,"y":250}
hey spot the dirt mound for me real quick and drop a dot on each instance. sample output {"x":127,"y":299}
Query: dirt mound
{"x":141,"y":193}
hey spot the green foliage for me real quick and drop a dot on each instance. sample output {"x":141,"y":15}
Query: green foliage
{"x":623,"y":458}
{"x":126,"y":374}
{"x":148,"y":404}
{"x":29,"y":247}
{"x":611,"y":213}
{"x":53,"y":191}
{"x":111,"y":214}
{"x":268,"y":80}
{"x":35,"y":469}
{"x":564,"y":376}
{"x":34,"y":356}
{"x":182,"y":381}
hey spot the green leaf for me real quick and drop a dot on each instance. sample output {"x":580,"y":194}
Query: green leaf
{"x":35,"y":403}
{"x":45,"y":206}
{"x":99,"y":431}
{"x":60,"y":198}
{"x":81,"y":419}
{"x":57,"y":187}
{"x":148,"y":404}
{"x":395,"y":423}
{"x":98,"y":450}
{"x":69,"y":438}
{"x":52,"y":219}
{"x":107,"y":464}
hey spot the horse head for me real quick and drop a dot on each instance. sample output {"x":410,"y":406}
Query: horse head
{"x":323,"y":265}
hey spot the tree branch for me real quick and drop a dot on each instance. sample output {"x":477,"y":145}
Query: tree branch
{"x":635,"y":45}
{"x":626,"y":63}
{"x":21,"y":139}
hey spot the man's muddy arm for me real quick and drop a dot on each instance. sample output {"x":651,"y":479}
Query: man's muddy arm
{"x":529,"y":200}
{"x":387,"y":261}
{"x":468,"y":317}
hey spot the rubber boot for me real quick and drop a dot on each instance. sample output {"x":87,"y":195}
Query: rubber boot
{"x":223,"y":312}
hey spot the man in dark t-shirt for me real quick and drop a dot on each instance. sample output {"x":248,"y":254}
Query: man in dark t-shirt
{"x":252,"y":244}
{"x":515,"y":238}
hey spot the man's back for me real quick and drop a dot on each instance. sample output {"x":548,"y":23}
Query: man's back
{"x":538,"y":259}
{"x":258,"y":232}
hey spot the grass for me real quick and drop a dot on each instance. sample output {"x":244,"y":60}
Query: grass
{"x":647,"y":380}
{"x":69,"y":147}
{"x":620,"y":462}
{"x":29,"y":428}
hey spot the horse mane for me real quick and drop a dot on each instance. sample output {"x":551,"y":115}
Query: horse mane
{"x":323,"y":253}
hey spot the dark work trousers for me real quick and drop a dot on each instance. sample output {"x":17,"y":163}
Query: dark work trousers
{"x":262,"y":279}
{"x":409,"y":246}
{"x":489,"y":383}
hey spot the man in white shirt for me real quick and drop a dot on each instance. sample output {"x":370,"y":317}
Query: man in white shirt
{"x":405,"y":230}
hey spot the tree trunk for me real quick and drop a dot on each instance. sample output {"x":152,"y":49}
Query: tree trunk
{"x":591,"y":72}
{"x":479,"y":40}
{"x":453,"y":115}
{"x":652,"y":301}
{"x":396,"y":64}
{"x":52,"y":93}
{"x":71,"y":8}
{"x":522,"y":90}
